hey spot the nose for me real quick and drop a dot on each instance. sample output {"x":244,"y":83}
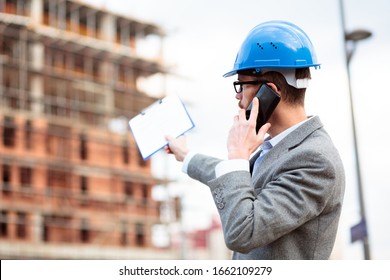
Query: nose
{"x":239,"y":96}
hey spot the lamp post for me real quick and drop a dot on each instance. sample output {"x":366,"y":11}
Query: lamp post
{"x":354,"y":37}
{"x":350,"y":41}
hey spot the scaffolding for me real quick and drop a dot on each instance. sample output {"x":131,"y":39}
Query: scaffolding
{"x":67,"y":71}
{"x":89,"y":75}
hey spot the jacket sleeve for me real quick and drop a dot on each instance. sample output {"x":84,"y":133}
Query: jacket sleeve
{"x":202,"y":168}
{"x":254,"y":216}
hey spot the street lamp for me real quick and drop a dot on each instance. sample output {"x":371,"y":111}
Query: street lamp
{"x":354,"y":37}
{"x":350,"y":41}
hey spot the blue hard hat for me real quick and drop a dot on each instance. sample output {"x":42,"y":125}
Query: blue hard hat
{"x":275,"y":44}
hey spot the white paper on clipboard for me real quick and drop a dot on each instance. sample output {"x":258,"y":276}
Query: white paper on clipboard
{"x":167,"y":116}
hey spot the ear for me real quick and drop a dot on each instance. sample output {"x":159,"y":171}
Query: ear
{"x":274,"y":87}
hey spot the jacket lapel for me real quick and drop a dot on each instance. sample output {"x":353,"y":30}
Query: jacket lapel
{"x":292,"y":140}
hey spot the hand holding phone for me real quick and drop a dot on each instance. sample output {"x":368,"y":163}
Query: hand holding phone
{"x":268,"y":100}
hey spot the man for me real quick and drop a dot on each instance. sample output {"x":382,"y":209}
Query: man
{"x":284,"y":202}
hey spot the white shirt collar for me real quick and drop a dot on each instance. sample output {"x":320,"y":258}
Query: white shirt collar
{"x":275,"y":140}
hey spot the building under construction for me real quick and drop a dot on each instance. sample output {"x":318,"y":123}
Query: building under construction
{"x":71,"y":187}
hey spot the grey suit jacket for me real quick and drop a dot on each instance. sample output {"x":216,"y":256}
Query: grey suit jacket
{"x":289,"y":208}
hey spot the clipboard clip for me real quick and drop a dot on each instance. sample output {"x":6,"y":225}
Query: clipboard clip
{"x":143,"y":113}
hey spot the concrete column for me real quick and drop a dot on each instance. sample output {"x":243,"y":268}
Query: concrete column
{"x":108,"y":33}
{"x":37,"y":87}
{"x":75,"y":18}
{"x":37,"y":11}
{"x":108,"y":28}
{"x":2,"y":6}
{"x":36,"y":232}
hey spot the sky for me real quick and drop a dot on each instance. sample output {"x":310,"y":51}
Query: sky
{"x":202,"y":40}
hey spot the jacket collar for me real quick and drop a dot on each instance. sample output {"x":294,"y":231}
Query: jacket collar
{"x":297,"y":136}
{"x":293,"y":139}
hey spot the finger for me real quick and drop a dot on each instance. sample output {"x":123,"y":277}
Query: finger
{"x":241,"y":115}
{"x":168,"y":150}
{"x":255,"y":109}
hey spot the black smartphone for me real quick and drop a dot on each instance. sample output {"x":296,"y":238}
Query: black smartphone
{"x":268,"y":100}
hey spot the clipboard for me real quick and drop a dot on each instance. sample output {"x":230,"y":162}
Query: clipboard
{"x":167,"y":116}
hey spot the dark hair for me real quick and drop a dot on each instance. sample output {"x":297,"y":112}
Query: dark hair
{"x":291,"y":95}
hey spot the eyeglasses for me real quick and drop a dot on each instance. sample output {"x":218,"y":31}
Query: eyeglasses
{"x":238,"y":85}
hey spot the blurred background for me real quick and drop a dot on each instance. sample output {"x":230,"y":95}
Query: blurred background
{"x":73,"y":72}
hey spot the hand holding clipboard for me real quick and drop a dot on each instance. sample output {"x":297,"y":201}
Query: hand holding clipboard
{"x":167,"y":116}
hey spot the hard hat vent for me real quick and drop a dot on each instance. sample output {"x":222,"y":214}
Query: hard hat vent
{"x":271,"y":43}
